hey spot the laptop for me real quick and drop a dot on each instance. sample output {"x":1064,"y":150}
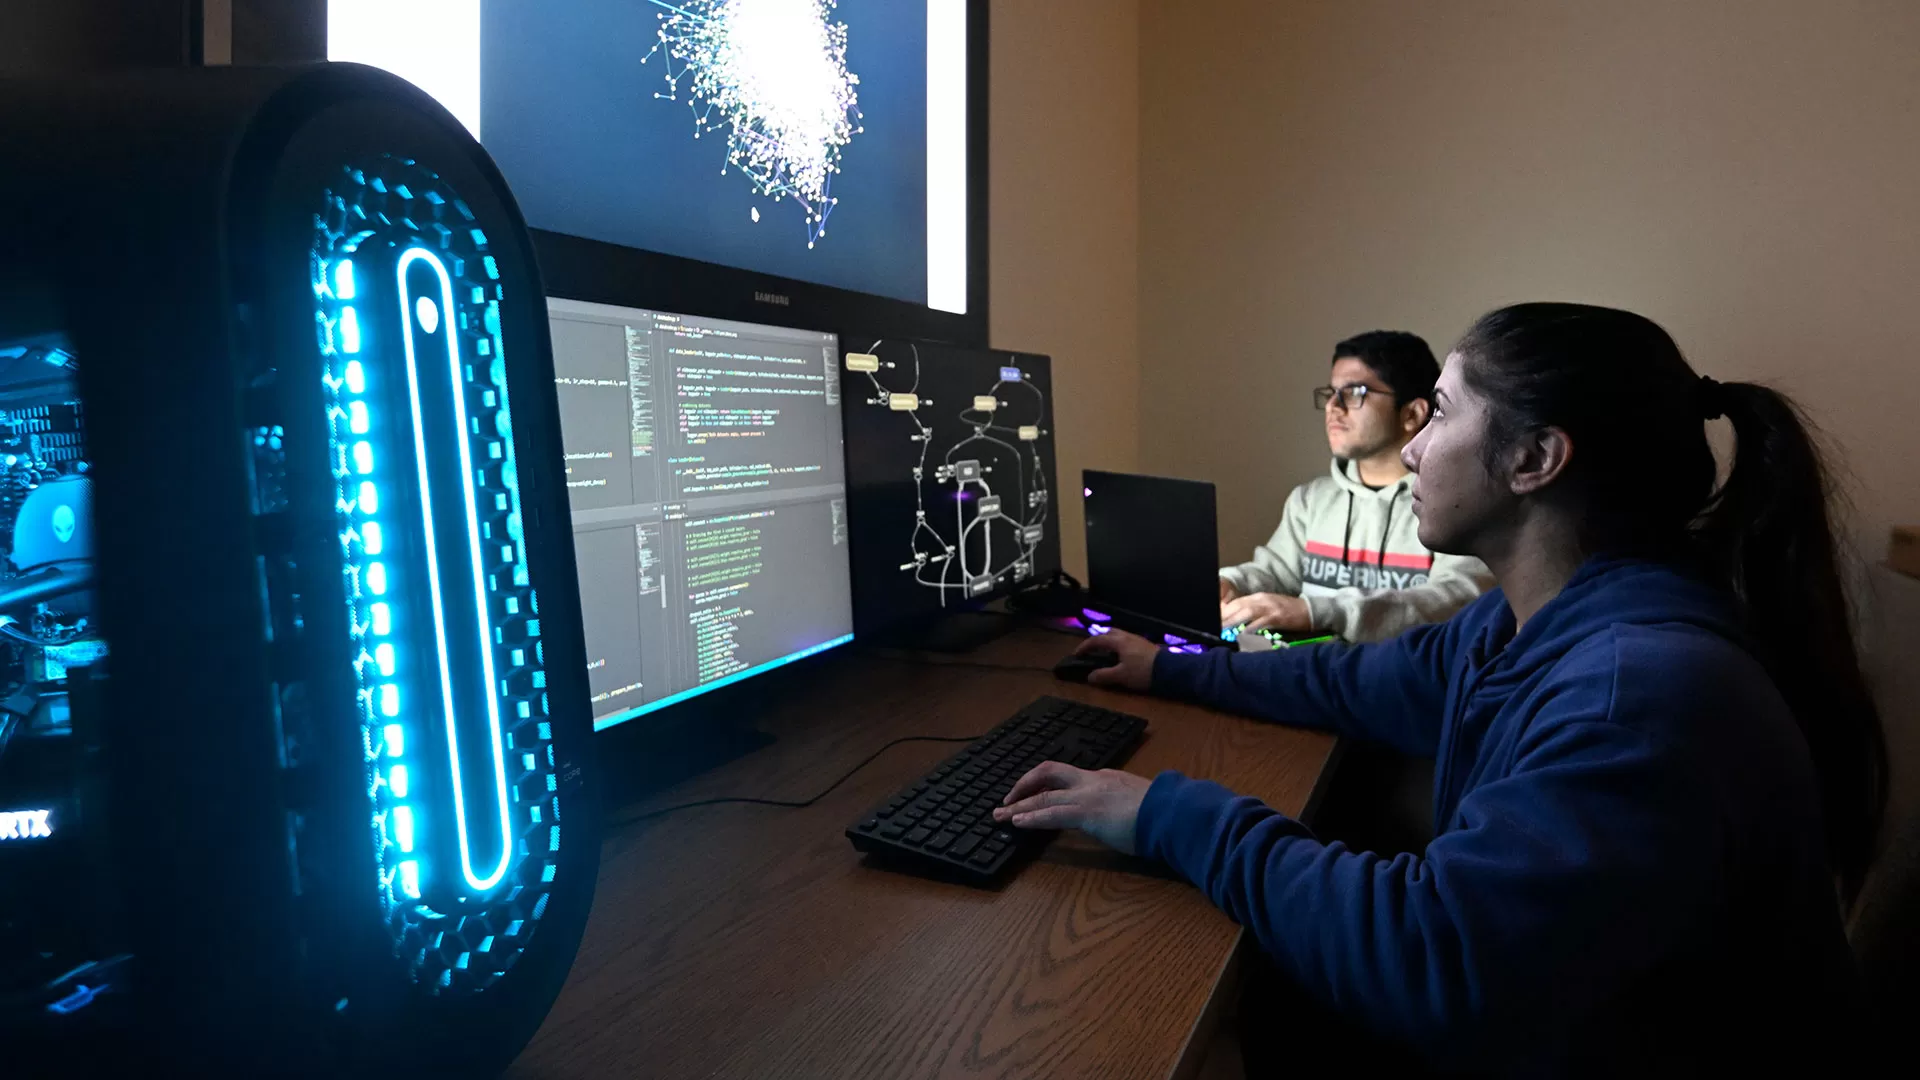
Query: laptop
{"x":1153,"y":564}
{"x":1152,"y":557}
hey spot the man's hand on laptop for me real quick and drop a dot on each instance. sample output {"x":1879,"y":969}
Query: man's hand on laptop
{"x":1227,"y":591}
{"x":1135,"y":669}
{"x":1266,"y":611}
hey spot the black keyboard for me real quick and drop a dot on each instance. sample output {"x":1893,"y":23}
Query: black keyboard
{"x":943,"y":822}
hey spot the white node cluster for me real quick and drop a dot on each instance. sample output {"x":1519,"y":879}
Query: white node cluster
{"x":771,"y":74}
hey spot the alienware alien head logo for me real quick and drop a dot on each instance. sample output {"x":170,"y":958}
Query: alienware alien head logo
{"x":63,"y":523}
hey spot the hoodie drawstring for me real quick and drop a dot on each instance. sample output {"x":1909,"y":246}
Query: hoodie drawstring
{"x":1347,"y":539}
{"x":1385,"y":530}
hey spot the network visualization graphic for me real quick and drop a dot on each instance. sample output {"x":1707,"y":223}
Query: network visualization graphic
{"x":981,"y":503}
{"x":772,"y":76}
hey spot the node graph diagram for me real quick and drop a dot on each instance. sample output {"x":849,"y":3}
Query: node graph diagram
{"x":981,"y":504}
{"x":771,"y":75}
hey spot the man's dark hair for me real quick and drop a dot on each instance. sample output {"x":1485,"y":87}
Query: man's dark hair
{"x":1403,"y":360}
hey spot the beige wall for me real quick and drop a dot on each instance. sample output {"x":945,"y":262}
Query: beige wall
{"x":1064,"y":222}
{"x":1745,"y":171}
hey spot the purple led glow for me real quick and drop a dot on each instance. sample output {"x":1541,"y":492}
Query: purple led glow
{"x":1086,"y":491}
{"x":1189,"y":648}
{"x":1095,"y":615}
{"x":1173,"y":639}
{"x":1096,"y":630}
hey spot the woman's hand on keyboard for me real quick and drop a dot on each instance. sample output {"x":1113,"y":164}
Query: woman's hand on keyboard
{"x":1135,"y":668}
{"x":1103,"y":804}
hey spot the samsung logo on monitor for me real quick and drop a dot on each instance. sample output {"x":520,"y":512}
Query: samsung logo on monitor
{"x":25,"y":825}
{"x":781,"y":299}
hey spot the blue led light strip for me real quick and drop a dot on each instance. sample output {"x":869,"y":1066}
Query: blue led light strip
{"x":605,"y":722}
{"x":357,"y":473}
{"x":457,"y":373}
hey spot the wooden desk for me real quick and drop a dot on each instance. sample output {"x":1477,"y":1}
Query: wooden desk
{"x":753,"y":942}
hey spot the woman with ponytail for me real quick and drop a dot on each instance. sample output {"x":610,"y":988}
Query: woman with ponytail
{"x":1658,"y":772}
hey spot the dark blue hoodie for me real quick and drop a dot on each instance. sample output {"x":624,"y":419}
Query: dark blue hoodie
{"x":1628,"y":865}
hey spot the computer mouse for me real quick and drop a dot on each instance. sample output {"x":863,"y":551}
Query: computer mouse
{"x":1075,"y":667}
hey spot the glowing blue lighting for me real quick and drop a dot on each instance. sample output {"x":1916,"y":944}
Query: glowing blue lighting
{"x":410,"y":879}
{"x":377,"y":578}
{"x":390,"y":700}
{"x":26,"y":824}
{"x":396,"y":737}
{"x":357,"y":417}
{"x":403,"y":827}
{"x":369,"y":498}
{"x":343,"y":279}
{"x":356,"y":377}
{"x":349,"y":330}
{"x":397,"y":780}
{"x":383,"y":656}
{"x":427,"y":313}
{"x":382,"y":619}
{"x":362,"y":457}
{"x":370,"y":537}
{"x":605,"y":722}
{"x":480,"y":881}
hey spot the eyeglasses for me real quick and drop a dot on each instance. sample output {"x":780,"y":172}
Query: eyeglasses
{"x":1352,"y":396}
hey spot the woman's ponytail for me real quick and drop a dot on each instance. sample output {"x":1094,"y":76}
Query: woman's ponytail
{"x":1769,"y":529}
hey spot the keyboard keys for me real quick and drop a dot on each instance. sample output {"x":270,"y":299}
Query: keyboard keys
{"x":948,"y":813}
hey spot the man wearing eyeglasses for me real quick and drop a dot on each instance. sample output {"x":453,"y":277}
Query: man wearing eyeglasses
{"x":1347,"y":558}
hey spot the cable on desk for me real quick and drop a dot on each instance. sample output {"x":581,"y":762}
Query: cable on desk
{"x":621,"y":823}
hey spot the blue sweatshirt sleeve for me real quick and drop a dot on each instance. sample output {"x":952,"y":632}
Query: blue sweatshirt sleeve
{"x":1554,"y":887}
{"x":1392,"y":692}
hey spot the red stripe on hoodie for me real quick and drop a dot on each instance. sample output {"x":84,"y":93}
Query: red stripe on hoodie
{"x":1370,"y":558}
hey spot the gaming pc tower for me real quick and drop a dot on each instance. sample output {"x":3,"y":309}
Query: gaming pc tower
{"x":294,"y":730}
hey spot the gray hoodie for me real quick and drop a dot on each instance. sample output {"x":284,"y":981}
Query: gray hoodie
{"x":1354,"y":555}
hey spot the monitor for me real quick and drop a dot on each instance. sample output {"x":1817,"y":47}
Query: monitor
{"x":950,"y":471}
{"x":705,"y":470}
{"x":823,"y":142}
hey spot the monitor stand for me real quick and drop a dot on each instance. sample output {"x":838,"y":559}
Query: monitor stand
{"x":639,"y":768}
{"x":954,"y":632}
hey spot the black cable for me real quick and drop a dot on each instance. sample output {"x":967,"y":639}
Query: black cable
{"x":621,"y":823}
